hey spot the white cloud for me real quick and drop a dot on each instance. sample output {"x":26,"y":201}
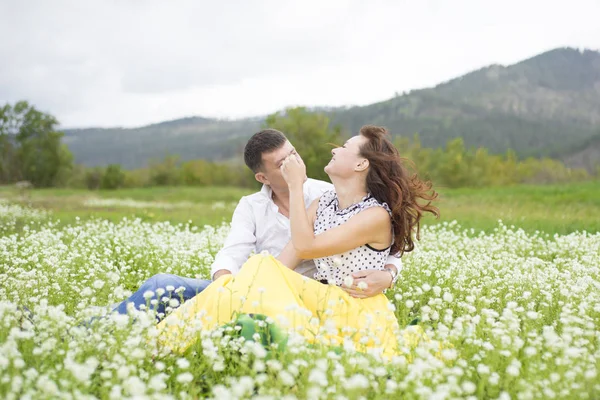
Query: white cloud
{"x":107,"y":63}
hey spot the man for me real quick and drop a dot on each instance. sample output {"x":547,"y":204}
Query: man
{"x":260,"y":222}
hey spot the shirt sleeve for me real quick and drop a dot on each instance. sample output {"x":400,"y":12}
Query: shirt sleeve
{"x":240,"y":242}
{"x":395,"y":261}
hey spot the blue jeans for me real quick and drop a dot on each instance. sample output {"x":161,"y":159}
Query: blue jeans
{"x":191,"y":288}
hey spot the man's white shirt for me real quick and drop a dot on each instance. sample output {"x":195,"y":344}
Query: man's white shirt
{"x":257,"y":225}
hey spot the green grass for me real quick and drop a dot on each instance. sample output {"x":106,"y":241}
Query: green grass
{"x":553,"y":208}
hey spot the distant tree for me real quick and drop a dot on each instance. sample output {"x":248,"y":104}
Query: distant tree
{"x":197,"y":173}
{"x":311,"y":134}
{"x":93,"y":178}
{"x":165,"y":173}
{"x":9,"y":170}
{"x":31,"y":147}
{"x":113,"y":177}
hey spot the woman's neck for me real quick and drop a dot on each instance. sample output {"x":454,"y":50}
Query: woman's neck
{"x":349,"y":191}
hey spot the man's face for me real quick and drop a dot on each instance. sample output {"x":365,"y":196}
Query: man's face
{"x":270,"y":173}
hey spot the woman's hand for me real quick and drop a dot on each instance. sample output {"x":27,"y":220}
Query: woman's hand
{"x":293,"y":170}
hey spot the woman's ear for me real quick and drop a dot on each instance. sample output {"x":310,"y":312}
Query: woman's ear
{"x":259,"y":176}
{"x":362,"y":166}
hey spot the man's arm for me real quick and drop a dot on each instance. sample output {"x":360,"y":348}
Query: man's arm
{"x":376,"y":280}
{"x":240,"y":242}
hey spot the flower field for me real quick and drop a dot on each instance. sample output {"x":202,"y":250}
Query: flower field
{"x":516,"y":314}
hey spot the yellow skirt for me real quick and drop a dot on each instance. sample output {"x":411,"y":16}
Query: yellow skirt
{"x":321,"y":313}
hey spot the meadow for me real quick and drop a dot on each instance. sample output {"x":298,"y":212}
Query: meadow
{"x":551,"y":208}
{"x":511,"y":309}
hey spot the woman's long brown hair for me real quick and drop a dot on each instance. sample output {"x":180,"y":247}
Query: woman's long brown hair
{"x":389,"y":181}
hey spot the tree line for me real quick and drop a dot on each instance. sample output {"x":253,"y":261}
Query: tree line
{"x":31,"y":150}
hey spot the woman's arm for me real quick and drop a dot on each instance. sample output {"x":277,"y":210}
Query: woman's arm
{"x":289,"y":257}
{"x":369,"y":226}
{"x":364,"y":227}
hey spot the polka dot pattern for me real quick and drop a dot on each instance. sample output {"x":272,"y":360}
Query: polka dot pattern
{"x":359,"y":259}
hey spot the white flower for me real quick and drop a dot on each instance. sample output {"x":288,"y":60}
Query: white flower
{"x":135,"y":386}
{"x":468,"y":387}
{"x":286,"y":378}
{"x":504,"y":396}
{"x":259,"y":366}
{"x":123,"y":372}
{"x":532,"y":315}
{"x":157,"y":382}
{"x":348,"y":281}
{"x":170,"y":288}
{"x":274,"y":365}
{"x":483,"y":369}
{"x":185,"y":377}
{"x":514,"y":368}
{"x":318,"y":377}
{"x":357,"y":381}
{"x":148,"y":294}
{"x":183,"y":363}
{"x":362,"y":285}
{"x":219,"y":366}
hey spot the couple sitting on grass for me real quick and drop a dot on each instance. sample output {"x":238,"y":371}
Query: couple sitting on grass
{"x":325,"y":253}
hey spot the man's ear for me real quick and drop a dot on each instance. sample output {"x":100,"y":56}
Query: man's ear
{"x":259,"y":176}
{"x":362,"y":166}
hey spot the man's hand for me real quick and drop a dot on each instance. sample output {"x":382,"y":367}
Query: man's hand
{"x":220,"y":273}
{"x":377,"y":281}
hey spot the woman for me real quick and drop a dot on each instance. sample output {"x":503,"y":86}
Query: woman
{"x":372,"y":212}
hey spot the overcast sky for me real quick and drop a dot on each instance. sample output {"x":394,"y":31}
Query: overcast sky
{"x":134,"y":62}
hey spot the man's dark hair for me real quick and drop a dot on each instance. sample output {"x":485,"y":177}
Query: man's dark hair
{"x":264,"y":141}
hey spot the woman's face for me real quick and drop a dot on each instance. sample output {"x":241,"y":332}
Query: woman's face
{"x":345,"y":160}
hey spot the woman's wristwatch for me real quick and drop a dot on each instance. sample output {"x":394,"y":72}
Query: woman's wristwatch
{"x":394,"y":276}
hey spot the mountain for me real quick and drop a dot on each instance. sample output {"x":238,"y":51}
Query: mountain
{"x":189,"y":138}
{"x":547,"y":105}
{"x":586,"y":155}
{"x":535,"y":107}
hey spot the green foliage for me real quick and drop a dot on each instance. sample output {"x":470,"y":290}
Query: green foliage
{"x":311,"y":134}
{"x":165,"y":173}
{"x":170,"y":172}
{"x":31,"y":147}
{"x":457,"y":166}
{"x":113,"y":177}
{"x":93,"y":178}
